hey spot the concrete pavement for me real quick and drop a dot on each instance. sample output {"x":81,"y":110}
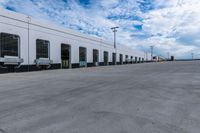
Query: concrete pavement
{"x":138,"y":98}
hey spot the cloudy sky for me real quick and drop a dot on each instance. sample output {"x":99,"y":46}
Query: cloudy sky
{"x":170,"y":25}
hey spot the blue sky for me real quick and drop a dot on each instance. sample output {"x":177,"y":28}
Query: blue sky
{"x":170,"y":25}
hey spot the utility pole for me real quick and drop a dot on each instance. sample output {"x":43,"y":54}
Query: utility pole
{"x":152,"y":47}
{"x":114,"y":29}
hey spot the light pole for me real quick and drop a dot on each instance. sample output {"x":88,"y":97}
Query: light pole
{"x":152,"y":47}
{"x":114,"y":29}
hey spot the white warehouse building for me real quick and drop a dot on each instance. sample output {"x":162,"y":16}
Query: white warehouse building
{"x":29,"y":45}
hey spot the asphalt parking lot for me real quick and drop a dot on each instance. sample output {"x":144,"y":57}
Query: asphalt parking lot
{"x":138,"y":98}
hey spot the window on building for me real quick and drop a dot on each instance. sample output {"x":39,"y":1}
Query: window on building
{"x":42,"y":48}
{"x":9,"y":45}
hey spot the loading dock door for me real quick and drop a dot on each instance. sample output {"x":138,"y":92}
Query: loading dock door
{"x":135,"y":59}
{"x":114,"y":58}
{"x":121,"y":59}
{"x":131,"y":59}
{"x":82,"y":57}
{"x":126,"y":59}
{"x":95,"y":57}
{"x":9,"y":47}
{"x":65,"y":56}
{"x":105,"y":56}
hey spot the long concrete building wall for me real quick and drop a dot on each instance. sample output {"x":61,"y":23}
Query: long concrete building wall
{"x":29,"y":30}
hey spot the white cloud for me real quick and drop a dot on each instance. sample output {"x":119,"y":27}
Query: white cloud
{"x":176,"y":26}
{"x":172,"y":26}
{"x":2,"y":2}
